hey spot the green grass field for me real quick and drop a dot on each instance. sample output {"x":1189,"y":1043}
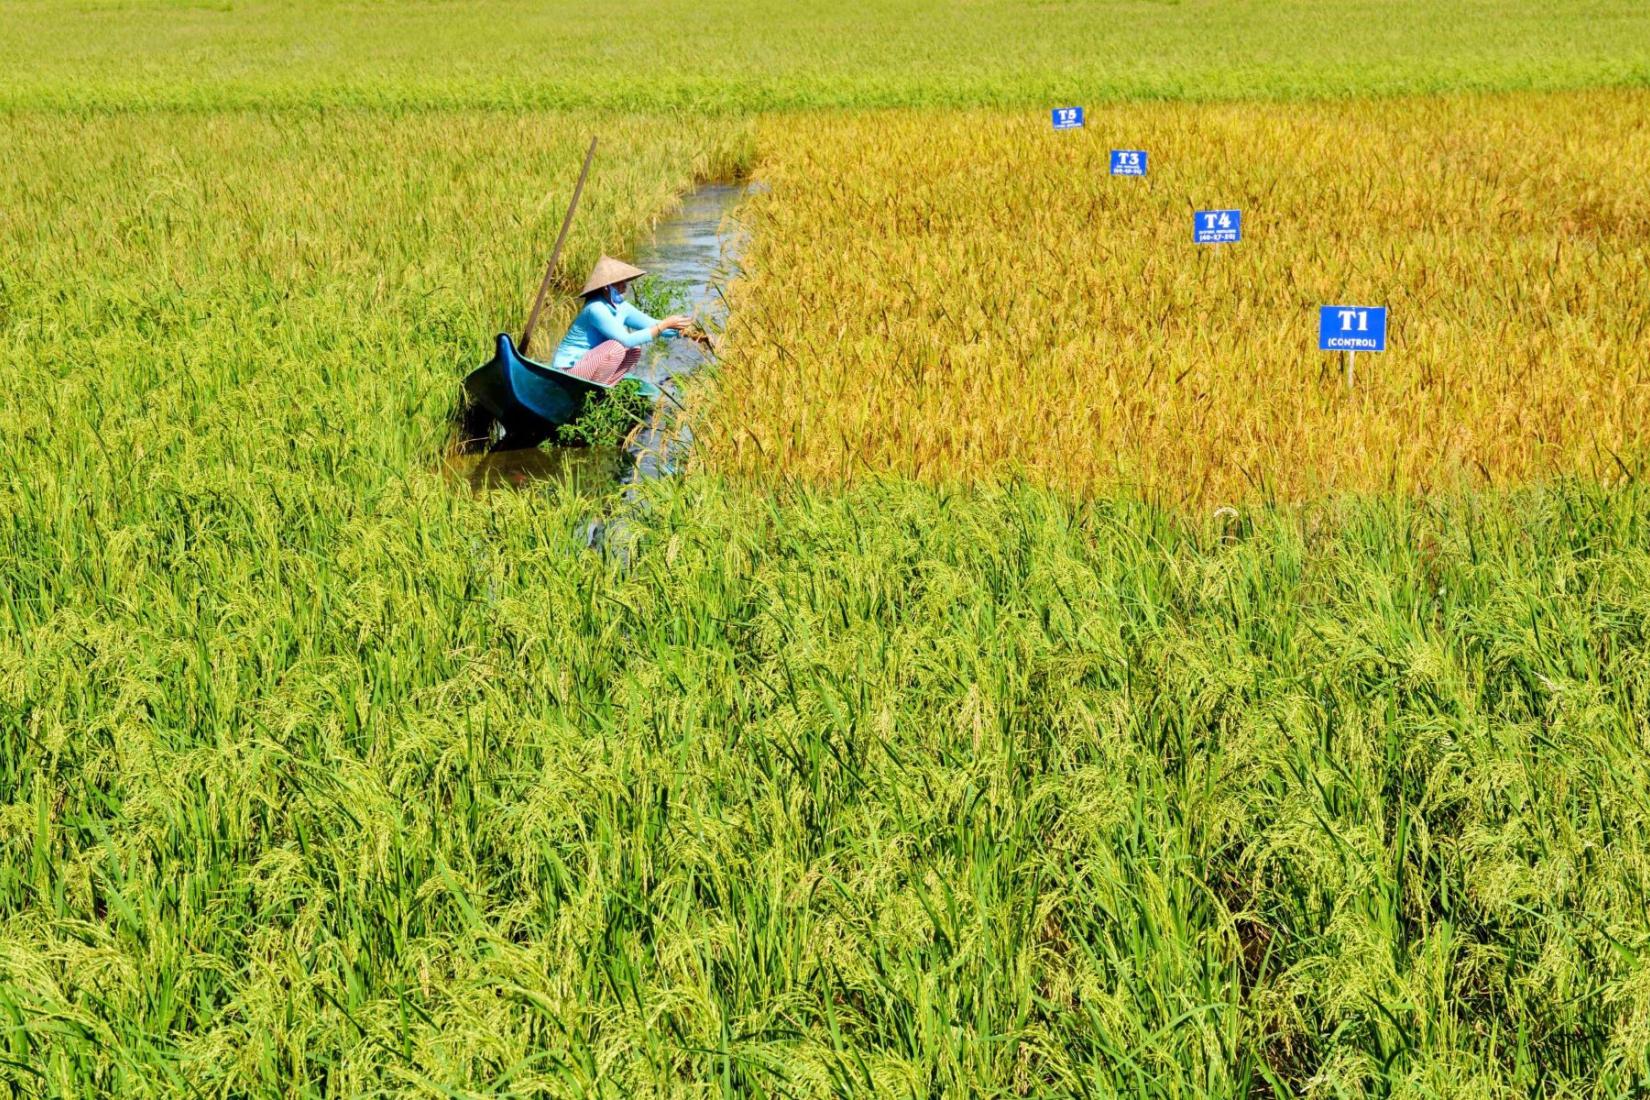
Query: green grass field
{"x":322,"y":776}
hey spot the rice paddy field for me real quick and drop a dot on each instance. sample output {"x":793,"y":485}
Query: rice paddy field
{"x":955,"y":295}
{"x":1046,"y":679}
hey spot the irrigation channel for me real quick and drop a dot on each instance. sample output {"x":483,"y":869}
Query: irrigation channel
{"x":693,"y":252}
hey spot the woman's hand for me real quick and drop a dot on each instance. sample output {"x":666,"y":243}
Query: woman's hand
{"x":675,"y":323}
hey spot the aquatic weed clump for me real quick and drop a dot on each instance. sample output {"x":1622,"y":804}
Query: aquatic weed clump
{"x":608,"y":416}
{"x":659,"y":296}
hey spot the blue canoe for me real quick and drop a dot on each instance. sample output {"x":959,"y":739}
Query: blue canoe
{"x":530,"y":399}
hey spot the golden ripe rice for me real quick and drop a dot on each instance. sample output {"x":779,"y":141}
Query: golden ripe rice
{"x":965,"y":295}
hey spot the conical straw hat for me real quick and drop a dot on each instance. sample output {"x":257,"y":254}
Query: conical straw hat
{"x":609,"y":271}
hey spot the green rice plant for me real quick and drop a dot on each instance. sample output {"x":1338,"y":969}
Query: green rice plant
{"x":763,"y":55}
{"x":900,"y":791}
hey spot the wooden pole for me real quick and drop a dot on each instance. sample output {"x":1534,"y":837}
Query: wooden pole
{"x":555,"y":253}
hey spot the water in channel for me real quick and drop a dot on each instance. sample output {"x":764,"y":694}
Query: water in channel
{"x":694,"y":251}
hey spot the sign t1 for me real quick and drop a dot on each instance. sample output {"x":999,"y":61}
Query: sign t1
{"x":1352,"y":328}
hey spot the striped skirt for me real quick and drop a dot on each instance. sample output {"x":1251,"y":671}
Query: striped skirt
{"x":607,"y":362}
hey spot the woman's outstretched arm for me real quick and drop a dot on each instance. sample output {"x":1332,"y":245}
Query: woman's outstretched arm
{"x":669,"y":327}
{"x":613,"y":324}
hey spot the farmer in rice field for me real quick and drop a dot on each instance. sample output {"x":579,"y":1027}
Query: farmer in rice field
{"x":604,"y":343}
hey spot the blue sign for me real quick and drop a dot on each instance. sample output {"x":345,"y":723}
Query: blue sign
{"x":1217,"y":226}
{"x":1068,"y":118}
{"x":1128,"y":162}
{"x":1351,"y":328}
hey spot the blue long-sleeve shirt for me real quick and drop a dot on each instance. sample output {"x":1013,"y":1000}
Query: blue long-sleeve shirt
{"x":598,"y":322}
